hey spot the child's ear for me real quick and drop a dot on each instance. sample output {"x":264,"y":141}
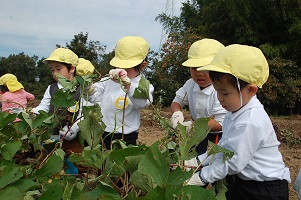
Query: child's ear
{"x":143,"y":65}
{"x":72,"y":69}
{"x":252,"y":89}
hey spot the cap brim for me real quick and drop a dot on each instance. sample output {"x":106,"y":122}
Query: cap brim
{"x":213,"y":68}
{"x":192,"y":62}
{"x":124,"y":64}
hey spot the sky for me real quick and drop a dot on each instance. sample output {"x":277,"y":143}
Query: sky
{"x":36,"y":26}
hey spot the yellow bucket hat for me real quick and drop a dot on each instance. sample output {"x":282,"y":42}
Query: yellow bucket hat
{"x":11,"y":82}
{"x":244,"y":62}
{"x":129,"y":52}
{"x":84,"y":67}
{"x":202,"y":52}
{"x":63,"y":55}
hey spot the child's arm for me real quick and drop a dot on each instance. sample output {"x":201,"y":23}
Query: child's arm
{"x":29,"y":96}
{"x":45,"y":102}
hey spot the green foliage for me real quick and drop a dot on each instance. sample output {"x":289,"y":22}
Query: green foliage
{"x":126,"y":172}
{"x":167,"y":70}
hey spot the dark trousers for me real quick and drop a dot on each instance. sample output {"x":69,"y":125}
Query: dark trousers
{"x":130,"y":138}
{"x":202,"y":147}
{"x":239,"y":189}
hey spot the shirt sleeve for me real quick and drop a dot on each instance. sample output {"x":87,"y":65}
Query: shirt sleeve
{"x":29,"y":96}
{"x":45,"y":102}
{"x":96,"y":97}
{"x":182,"y":95}
{"x":244,"y":143}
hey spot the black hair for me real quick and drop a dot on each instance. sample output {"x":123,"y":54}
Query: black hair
{"x":3,"y":88}
{"x":138,"y":67}
{"x":218,"y":76}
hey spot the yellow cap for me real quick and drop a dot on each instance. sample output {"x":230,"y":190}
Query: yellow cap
{"x":244,"y":62}
{"x":202,"y":52}
{"x":129,"y":52}
{"x":84,"y":67}
{"x":11,"y":82}
{"x":63,"y":55}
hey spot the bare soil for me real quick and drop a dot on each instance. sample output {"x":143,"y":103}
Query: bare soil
{"x":288,"y":130}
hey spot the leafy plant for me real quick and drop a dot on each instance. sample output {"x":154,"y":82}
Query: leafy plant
{"x":125,"y":172}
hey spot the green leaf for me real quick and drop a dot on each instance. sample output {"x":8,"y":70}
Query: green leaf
{"x":103,"y":192}
{"x":157,"y":193}
{"x":10,"y":175}
{"x":214,"y":148}
{"x":178,"y":177}
{"x":197,"y":134}
{"x":90,"y":158}
{"x":55,"y":192}
{"x":11,"y":193}
{"x":25,"y":185}
{"x":142,"y":181}
{"x":53,"y":166}
{"x":91,"y":126}
{"x":6,"y":118}
{"x":68,"y":191}
{"x":10,"y":148}
{"x":69,"y":86}
{"x":195,"y":192}
{"x":63,"y":99}
{"x":142,"y":91}
{"x":128,"y":158}
{"x":155,"y":164}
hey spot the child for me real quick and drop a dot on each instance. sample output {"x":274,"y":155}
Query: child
{"x":64,"y":62}
{"x":14,"y":98}
{"x":130,"y":60}
{"x":198,"y":92}
{"x":257,"y":168}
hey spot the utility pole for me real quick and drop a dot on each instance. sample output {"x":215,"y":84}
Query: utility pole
{"x":169,"y":11}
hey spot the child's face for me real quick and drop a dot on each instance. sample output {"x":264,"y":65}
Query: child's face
{"x":229,"y":96}
{"x":200,"y":77}
{"x":60,"y":68}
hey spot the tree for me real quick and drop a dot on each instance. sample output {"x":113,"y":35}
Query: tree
{"x":90,"y":50}
{"x":272,"y":25}
{"x":23,"y":67}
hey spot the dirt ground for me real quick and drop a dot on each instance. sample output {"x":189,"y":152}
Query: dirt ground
{"x":288,"y":130}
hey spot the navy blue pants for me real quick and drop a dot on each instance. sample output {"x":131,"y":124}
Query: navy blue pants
{"x":239,"y":189}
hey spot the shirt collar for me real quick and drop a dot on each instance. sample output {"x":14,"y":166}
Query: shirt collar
{"x":208,"y":90}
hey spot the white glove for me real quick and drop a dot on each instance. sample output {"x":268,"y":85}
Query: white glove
{"x":119,"y":74}
{"x":188,"y":125}
{"x":192,"y":163}
{"x":69,"y":134}
{"x":175,"y":118}
{"x":197,"y":180}
{"x":89,"y":90}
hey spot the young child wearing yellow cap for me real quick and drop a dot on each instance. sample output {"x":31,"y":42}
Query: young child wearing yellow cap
{"x":14,"y":98}
{"x":198,"y":93}
{"x":64,"y":62}
{"x":130,"y":60}
{"x":257,"y":170}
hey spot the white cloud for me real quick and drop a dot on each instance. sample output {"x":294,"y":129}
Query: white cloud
{"x":36,"y":26}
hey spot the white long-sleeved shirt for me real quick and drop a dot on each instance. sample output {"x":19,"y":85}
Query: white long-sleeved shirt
{"x":249,"y":133}
{"x":202,"y":103}
{"x":110,"y":97}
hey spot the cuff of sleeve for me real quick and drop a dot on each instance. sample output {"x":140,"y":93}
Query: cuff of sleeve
{"x":202,"y":179}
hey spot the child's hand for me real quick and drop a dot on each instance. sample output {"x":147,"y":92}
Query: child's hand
{"x":69,"y":134}
{"x":192,"y":163}
{"x":175,"y":118}
{"x":120,"y":74}
{"x":196,"y":180}
{"x":89,"y":90}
